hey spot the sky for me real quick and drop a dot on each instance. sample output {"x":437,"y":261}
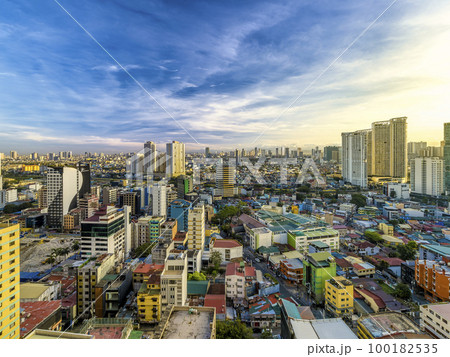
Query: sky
{"x":108,"y":75}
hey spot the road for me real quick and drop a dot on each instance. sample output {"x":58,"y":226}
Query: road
{"x":297,"y":293}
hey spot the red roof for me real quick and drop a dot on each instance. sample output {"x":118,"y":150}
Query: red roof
{"x":34,"y":313}
{"x":391,"y":261}
{"x":226,"y":243}
{"x":145,"y":268}
{"x":217,"y":301}
{"x":66,"y":282}
{"x":233,"y":269}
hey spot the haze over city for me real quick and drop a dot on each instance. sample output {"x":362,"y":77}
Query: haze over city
{"x":225,"y":72}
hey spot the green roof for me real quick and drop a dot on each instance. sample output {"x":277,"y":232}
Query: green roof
{"x":195,"y":287}
{"x":135,"y":335}
{"x":291,"y":309}
{"x":110,"y":277}
{"x":268,"y":250}
{"x":320,"y":244}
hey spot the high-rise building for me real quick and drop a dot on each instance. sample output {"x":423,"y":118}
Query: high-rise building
{"x":109,"y":195}
{"x":447,"y":156}
{"x":286,"y":153}
{"x":14,"y":155}
{"x":237,"y":155}
{"x":150,"y":155}
{"x":1,"y":177}
{"x":179,"y":210}
{"x":225,"y":179}
{"x":207,"y":152}
{"x":174,"y":280}
{"x":427,"y":175}
{"x":175,"y":163}
{"x":105,"y":233}
{"x":9,"y":281}
{"x":132,"y":199}
{"x":389,"y":149}
{"x":184,"y":185}
{"x":196,"y":227}
{"x":354,"y":157}
{"x":414,"y":149}
{"x":329,"y":151}
{"x":65,"y":187}
{"x":157,"y":199}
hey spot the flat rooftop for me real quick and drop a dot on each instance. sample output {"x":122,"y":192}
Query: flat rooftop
{"x":385,"y":324}
{"x":185,"y":325}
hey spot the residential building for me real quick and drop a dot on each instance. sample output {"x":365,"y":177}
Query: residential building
{"x":397,"y":190}
{"x":317,"y":269}
{"x":229,"y":249}
{"x":110,"y":196}
{"x":320,"y":329}
{"x":388,"y":325}
{"x":9,"y":281}
{"x":184,"y":185}
{"x":339,"y":296}
{"x":260,"y":237}
{"x":225,"y":179}
{"x":34,"y":291}
{"x":292,"y":269}
{"x":65,"y":187}
{"x":434,"y":278}
{"x":355,"y":151}
{"x":300,"y":239}
{"x":434,"y":319}
{"x":447,"y":156}
{"x":111,"y":293}
{"x":196,"y":227}
{"x":175,"y":164}
{"x":143,"y":271}
{"x":44,"y":315}
{"x":427,"y":176}
{"x":88,"y":275}
{"x":149,"y":299}
{"x":157,"y":199}
{"x":236,"y":277}
{"x":174,"y":279}
{"x":179,"y":210}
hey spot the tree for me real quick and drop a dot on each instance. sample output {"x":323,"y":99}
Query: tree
{"x":393,"y":194}
{"x":412,"y":244}
{"x":216,"y":259}
{"x":197,"y":276}
{"x":75,"y":246}
{"x":233,"y":330}
{"x":266,"y":334}
{"x":402,"y":291}
{"x":358,"y":199}
{"x":373,"y":237}
{"x":406,"y":252}
{"x":383,"y":265}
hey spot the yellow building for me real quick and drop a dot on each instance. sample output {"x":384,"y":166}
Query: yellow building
{"x":149,"y":299}
{"x":339,"y":296}
{"x":9,"y":281}
{"x":30,"y":168}
{"x":196,"y":227}
{"x":386,"y":228}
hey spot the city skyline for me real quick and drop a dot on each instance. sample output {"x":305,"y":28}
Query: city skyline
{"x":224,"y":73}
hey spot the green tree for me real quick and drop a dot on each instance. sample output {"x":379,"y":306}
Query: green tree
{"x":406,"y":252}
{"x":197,"y":276}
{"x":232,"y":330}
{"x":402,"y":291}
{"x":373,"y":237}
{"x":412,"y":244}
{"x":216,"y":259}
{"x":266,"y":334}
{"x":383,"y":265}
{"x":358,"y":199}
{"x":75,"y":246}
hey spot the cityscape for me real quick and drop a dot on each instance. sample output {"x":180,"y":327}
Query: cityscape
{"x":216,"y":210}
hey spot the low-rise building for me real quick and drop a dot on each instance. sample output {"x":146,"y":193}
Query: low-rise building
{"x":339,"y":296}
{"x":39,"y":291}
{"x":228,"y":248}
{"x":40,"y":315}
{"x":292,"y":269}
{"x":236,"y":278}
{"x":149,"y":299}
{"x":435,"y":318}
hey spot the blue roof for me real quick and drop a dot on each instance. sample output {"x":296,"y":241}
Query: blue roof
{"x":291,"y":309}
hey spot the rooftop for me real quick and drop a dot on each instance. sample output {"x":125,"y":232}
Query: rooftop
{"x":189,"y":323}
{"x":226,"y":243}
{"x":34,"y":313}
{"x":322,"y":329}
{"x":388,"y":323}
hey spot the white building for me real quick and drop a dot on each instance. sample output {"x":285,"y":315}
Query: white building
{"x":174,"y":280}
{"x":435,"y":319}
{"x":157,"y":199}
{"x":427,"y":175}
{"x":397,"y":190}
{"x":260,"y":237}
{"x":354,"y":157}
{"x":175,"y":164}
{"x":228,"y":248}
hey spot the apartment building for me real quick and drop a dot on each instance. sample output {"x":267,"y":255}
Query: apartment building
{"x":339,"y":296}
{"x":174,"y":279}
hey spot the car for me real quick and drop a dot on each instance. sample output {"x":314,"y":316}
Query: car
{"x":257,"y":260}
{"x":378,"y":272}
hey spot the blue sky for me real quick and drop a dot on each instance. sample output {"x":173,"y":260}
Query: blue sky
{"x":225,"y":71}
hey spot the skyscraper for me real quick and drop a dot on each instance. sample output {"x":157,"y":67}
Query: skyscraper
{"x":207,"y":152}
{"x":150,"y":154}
{"x":157,"y":199}
{"x":10,"y":281}
{"x":1,"y":177}
{"x":196,"y":224}
{"x":427,"y":175}
{"x":65,"y":187}
{"x":388,"y":154}
{"x":225,"y":179}
{"x":447,"y":156}
{"x":354,"y":157}
{"x":175,"y":152}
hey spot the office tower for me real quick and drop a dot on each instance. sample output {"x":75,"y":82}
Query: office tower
{"x":175,"y":159}
{"x":109,"y":196}
{"x":414,"y":149}
{"x":430,"y":151}
{"x":299,"y":152}
{"x":328,"y":152}
{"x":447,"y":156}
{"x":354,"y":157}
{"x":196,"y":227}
{"x":427,"y":175}
{"x":104,"y":233}
{"x":65,"y":187}
{"x":207,"y":152}
{"x":389,"y":149}
{"x":179,"y":210}
{"x":238,"y":157}
{"x":34,"y":156}
{"x":225,"y":179}
{"x":14,"y":155}
{"x":88,"y":275}
{"x":157,"y":199}
{"x":10,"y":281}
{"x":184,"y":185}
{"x":277,"y":153}
{"x":286,"y":153}
{"x":132,"y":199}
{"x":243,"y":153}
{"x":88,"y":206}
{"x":150,"y":154}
